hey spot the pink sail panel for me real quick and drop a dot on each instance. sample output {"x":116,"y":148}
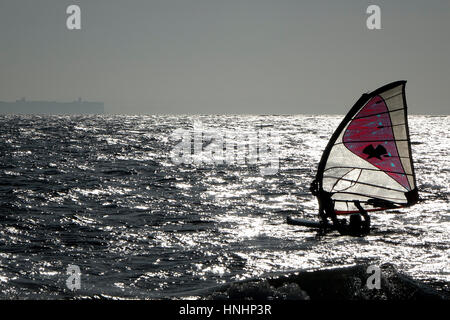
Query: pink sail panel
{"x":370,"y":136}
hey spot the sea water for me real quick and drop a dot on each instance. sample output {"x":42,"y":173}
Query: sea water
{"x":104,"y":194}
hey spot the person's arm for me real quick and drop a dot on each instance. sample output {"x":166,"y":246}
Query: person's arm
{"x":358,"y":205}
{"x":363,"y":212}
{"x":366,"y":222}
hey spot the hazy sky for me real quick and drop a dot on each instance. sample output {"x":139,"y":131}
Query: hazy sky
{"x":225,"y":56}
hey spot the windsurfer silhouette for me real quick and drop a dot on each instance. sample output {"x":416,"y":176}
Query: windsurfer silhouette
{"x":356,"y":227}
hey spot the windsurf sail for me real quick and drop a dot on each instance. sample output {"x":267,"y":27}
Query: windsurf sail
{"x":368,"y":158}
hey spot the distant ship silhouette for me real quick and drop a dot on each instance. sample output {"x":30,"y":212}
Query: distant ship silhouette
{"x":23,"y":106}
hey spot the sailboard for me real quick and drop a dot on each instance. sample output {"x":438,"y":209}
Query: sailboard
{"x":303,"y":222}
{"x":368,"y":157}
